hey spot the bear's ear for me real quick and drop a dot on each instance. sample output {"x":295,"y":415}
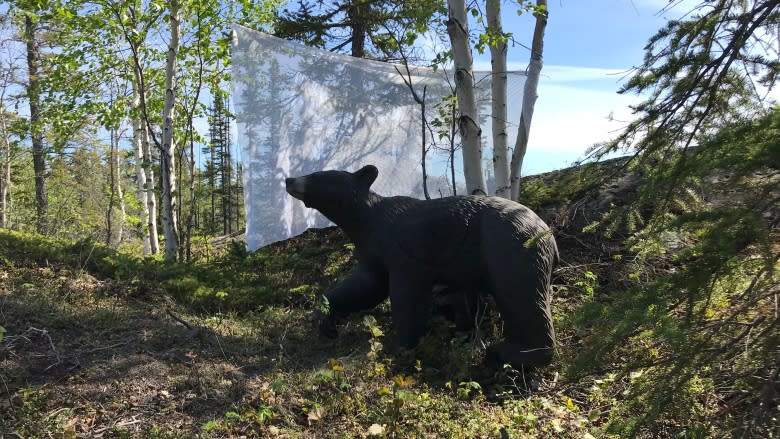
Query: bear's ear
{"x":367,"y":175}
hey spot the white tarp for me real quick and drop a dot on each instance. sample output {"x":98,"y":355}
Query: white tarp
{"x":301,"y":110}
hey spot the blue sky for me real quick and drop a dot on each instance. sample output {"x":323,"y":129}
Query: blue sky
{"x":589,"y":48}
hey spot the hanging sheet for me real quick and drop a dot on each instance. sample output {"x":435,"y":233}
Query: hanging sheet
{"x":301,"y":110}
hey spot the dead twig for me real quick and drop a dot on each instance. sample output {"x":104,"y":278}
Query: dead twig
{"x":103,"y":348}
{"x":178,"y":319}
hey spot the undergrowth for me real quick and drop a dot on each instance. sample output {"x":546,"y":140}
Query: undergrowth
{"x":666,"y":321}
{"x":693,"y":329}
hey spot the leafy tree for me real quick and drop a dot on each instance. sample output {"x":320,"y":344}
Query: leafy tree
{"x":192,"y":51}
{"x":33,"y":46}
{"x":127,"y":25}
{"x":8,"y":71}
{"x":57,"y":88}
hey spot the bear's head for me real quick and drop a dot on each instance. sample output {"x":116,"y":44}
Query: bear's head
{"x":333,"y":193}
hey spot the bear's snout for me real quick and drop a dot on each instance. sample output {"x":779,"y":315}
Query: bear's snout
{"x":294,"y":187}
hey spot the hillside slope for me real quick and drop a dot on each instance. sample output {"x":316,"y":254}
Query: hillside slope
{"x":101,"y":344}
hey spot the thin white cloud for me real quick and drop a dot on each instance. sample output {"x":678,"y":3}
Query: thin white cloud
{"x":559,"y":73}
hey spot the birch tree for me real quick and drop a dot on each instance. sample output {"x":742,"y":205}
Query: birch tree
{"x":506,"y":172}
{"x":115,"y":216}
{"x":529,"y":97}
{"x":135,"y":29}
{"x":149,"y":181}
{"x":140,"y":145}
{"x":498,"y":52}
{"x":127,"y":23}
{"x":5,"y":166}
{"x":114,"y":120}
{"x":5,"y":144}
{"x":168,"y":153}
{"x":468,"y":119}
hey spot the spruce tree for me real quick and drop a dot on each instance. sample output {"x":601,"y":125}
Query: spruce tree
{"x":363,"y":28}
{"x":700,"y":295}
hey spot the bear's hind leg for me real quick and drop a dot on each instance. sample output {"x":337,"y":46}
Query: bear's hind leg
{"x":529,"y":337}
{"x":461,"y":307}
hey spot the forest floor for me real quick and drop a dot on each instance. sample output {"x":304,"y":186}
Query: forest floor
{"x":98,"y":344}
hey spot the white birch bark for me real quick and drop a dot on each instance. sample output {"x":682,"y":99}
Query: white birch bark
{"x":529,"y":98}
{"x":5,"y":153}
{"x":144,"y":170}
{"x":168,"y":168}
{"x":140,"y":175}
{"x":116,"y":220}
{"x":468,"y":121}
{"x":120,"y":194}
{"x":151,"y":194}
{"x":498,"y":51}
{"x":5,"y":167}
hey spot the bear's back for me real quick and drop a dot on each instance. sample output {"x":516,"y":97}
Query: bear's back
{"x":450,"y":232}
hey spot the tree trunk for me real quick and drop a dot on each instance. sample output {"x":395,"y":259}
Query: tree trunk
{"x":121,"y":199}
{"x":140,"y":174}
{"x":239,"y":190}
{"x":193,"y":198}
{"x":213,"y":187}
{"x":468,"y":121}
{"x":5,"y":184}
{"x":5,"y":170}
{"x":151,"y":193}
{"x":529,"y":97}
{"x":144,"y":168}
{"x":168,"y":168}
{"x":357,"y":17}
{"x":181,"y":160}
{"x":5,"y":160}
{"x":227,"y":199}
{"x":453,"y":130}
{"x":498,"y":53}
{"x":36,"y":130}
{"x":115,"y":222}
{"x":112,"y":193}
{"x":142,"y":133}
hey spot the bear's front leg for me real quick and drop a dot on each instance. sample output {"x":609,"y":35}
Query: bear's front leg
{"x":362,"y":289}
{"x":410,"y":301}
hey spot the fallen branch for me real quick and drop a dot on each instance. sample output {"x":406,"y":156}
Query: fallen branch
{"x":10,"y":341}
